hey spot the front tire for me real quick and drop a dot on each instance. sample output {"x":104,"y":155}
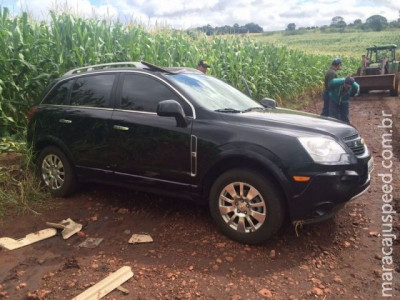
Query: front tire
{"x":56,"y":172}
{"x":246,"y":206}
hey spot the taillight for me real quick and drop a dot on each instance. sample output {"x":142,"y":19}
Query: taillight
{"x":32,"y":112}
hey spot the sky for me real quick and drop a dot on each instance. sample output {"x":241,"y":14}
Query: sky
{"x":185,"y":14}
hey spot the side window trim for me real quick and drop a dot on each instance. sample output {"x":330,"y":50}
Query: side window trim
{"x":116,"y":90}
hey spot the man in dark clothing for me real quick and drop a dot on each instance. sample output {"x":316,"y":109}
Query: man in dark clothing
{"x":329,"y":75}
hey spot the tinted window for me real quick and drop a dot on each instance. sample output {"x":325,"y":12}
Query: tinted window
{"x":143,"y":93}
{"x":59,"y":94}
{"x":92,"y":90}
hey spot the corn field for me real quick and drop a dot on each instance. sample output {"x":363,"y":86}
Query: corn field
{"x":33,"y":53}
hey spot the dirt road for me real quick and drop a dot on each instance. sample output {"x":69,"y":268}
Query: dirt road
{"x":189,"y":259}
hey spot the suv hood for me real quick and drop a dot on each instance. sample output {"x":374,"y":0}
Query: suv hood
{"x":298,"y":121}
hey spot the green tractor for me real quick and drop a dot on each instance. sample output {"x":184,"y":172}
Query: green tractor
{"x":379,"y":70}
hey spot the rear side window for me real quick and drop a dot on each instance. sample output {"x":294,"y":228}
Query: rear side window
{"x":93,"y":91}
{"x":143,"y":93}
{"x":59,"y":94}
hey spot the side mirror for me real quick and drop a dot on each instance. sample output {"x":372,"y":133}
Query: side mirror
{"x":268,"y":103}
{"x":171,"y":108}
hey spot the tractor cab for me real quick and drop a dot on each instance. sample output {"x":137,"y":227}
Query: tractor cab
{"x":380,"y":60}
{"x":379,"y":70}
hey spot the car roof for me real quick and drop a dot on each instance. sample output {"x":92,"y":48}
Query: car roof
{"x":142,"y":65}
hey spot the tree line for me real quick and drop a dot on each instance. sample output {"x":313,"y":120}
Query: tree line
{"x":338,"y":24}
{"x":248,"y":28}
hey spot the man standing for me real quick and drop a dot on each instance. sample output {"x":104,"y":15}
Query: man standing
{"x":364,"y":63}
{"x":203,"y":66}
{"x":329,"y":75}
{"x":340,"y":91}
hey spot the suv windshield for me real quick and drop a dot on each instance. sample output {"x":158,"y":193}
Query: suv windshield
{"x":214,"y":94}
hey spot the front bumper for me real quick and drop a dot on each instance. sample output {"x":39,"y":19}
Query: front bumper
{"x":326,"y":193}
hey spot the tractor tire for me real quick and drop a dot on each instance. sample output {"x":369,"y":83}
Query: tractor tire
{"x":395,"y":92}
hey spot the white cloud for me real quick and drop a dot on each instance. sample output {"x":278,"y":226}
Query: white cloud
{"x":271,"y":15}
{"x":40,"y":8}
{"x":107,"y":11}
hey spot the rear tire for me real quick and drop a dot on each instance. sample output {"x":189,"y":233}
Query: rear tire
{"x":246,"y":206}
{"x":56,"y":172}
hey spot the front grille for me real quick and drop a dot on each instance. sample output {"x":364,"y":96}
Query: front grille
{"x":358,"y":150}
{"x":350,"y":138}
{"x":356,"y":144}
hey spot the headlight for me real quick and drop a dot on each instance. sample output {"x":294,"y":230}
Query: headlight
{"x":321,"y":149}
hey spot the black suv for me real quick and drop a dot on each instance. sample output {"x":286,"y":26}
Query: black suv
{"x":179,"y":132}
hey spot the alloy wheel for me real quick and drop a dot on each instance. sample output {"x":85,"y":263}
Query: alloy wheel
{"x":242,"y":207}
{"x":53,"y":171}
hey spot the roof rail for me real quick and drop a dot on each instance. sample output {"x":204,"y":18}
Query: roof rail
{"x":104,"y":66}
{"x":139,"y":65}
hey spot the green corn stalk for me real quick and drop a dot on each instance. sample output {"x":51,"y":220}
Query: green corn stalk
{"x":33,"y":53}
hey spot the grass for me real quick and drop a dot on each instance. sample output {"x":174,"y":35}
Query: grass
{"x":20,"y":189}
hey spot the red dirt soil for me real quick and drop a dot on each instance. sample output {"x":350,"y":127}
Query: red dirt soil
{"x":189,"y":259}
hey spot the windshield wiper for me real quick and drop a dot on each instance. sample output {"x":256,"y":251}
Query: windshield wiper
{"x":254,"y":108}
{"x":228,"y":110}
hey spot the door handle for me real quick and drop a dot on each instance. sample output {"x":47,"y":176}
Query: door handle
{"x":118,"y":127}
{"x":64,"y":121}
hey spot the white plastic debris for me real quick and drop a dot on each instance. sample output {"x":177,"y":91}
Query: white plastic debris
{"x":11,"y":244}
{"x":105,"y":286}
{"x":140,"y":238}
{"x":69,"y":227}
